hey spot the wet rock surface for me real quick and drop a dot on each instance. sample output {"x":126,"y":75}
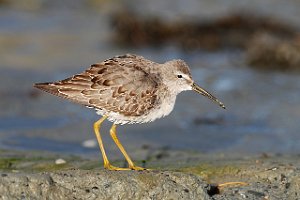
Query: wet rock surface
{"x":231,"y":31}
{"x":273,"y":53}
{"x":193,"y":176}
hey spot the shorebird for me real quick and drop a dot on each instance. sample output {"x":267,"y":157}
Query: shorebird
{"x":127,"y":89}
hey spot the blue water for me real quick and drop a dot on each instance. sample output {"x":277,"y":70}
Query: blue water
{"x":53,"y":40}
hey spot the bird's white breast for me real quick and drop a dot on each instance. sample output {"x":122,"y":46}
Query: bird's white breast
{"x":162,"y":109}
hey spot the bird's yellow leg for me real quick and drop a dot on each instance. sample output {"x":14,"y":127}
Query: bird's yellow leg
{"x":113,"y":133}
{"x":107,"y":164}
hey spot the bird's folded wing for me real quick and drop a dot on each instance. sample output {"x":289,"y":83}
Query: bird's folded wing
{"x":116,"y":85}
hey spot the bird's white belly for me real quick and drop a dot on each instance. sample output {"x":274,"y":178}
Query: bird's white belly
{"x":161,"y":110}
{"x":164,"y":109}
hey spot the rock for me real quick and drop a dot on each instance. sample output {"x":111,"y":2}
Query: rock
{"x":102,"y":184}
{"x":89,"y":143}
{"x":229,"y":31}
{"x":267,"y":51}
{"x":60,"y":161}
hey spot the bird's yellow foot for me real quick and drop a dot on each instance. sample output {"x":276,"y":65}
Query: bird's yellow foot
{"x":111,"y":167}
{"x":137,"y":168}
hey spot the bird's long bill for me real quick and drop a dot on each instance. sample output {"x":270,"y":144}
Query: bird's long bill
{"x":200,"y":90}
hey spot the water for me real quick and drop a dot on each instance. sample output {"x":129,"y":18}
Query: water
{"x":53,"y":41}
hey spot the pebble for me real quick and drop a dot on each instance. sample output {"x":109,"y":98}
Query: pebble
{"x":89,"y":143}
{"x":60,"y":161}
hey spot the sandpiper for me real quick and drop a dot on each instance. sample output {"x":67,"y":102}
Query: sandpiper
{"x":127,"y":89}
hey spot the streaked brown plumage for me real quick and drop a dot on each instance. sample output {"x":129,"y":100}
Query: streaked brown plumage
{"x":109,"y":86}
{"x":127,"y":89}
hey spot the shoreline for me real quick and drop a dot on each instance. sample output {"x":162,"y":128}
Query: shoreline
{"x":35,"y":175}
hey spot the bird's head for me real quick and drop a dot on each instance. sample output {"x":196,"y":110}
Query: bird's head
{"x":178,"y":78}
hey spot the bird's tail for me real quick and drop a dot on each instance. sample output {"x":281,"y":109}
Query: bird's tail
{"x":48,"y":87}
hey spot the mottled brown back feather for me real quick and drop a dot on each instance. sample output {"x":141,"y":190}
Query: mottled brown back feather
{"x":114,"y":85}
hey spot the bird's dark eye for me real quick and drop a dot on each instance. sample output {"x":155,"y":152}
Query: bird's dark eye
{"x":179,"y":76}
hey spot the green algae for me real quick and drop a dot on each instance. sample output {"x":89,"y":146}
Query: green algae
{"x":9,"y":163}
{"x":210,"y":172}
{"x":50,"y":167}
{"x":147,"y":179}
{"x":35,"y":163}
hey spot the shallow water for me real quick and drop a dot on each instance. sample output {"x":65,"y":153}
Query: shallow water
{"x":45,"y":44}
